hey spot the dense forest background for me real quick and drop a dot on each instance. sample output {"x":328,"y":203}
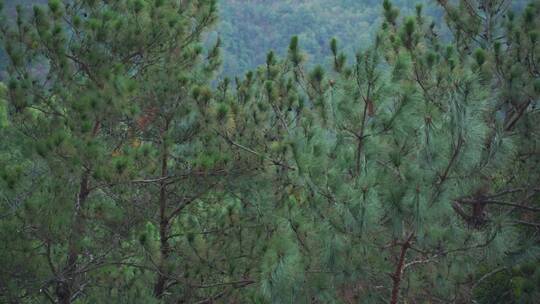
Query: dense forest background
{"x":309,"y":151}
{"x":249,"y":29}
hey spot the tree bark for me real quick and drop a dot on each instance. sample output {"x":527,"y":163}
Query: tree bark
{"x":161,"y":281}
{"x":396,"y":277}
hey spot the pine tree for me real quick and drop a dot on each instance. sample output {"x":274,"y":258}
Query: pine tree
{"x":392,"y":160}
{"x":177,"y":154}
{"x":79,"y":74}
{"x":503,"y":44}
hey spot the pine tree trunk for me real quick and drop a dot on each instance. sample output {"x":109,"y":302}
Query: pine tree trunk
{"x":396,"y":277}
{"x":159,"y":288}
{"x":67,"y":285}
{"x":360,"y":139}
{"x":161,"y":280}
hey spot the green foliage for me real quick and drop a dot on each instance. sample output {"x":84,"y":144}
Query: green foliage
{"x":129,"y":173}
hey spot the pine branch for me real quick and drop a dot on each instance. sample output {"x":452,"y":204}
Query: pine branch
{"x":423,"y":261}
{"x":49,"y":258}
{"x":185,"y":203}
{"x":495,"y":202}
{"x":239,"y":284}
{"x":86,"y":69}
{"x":487,"y":275}
{"x":273,"y":161}
{"x":444,"y":176}
{"x":234,"y":283}
{"x":516,"y":117}
{"x":536,"y":225}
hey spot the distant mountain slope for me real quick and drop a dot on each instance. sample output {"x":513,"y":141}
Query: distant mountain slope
{"x":251,"y":28}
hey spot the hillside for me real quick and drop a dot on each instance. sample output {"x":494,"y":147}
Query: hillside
{"x":251,"y":28}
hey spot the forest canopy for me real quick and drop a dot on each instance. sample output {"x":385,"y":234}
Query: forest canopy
{"x":202,"y":151}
